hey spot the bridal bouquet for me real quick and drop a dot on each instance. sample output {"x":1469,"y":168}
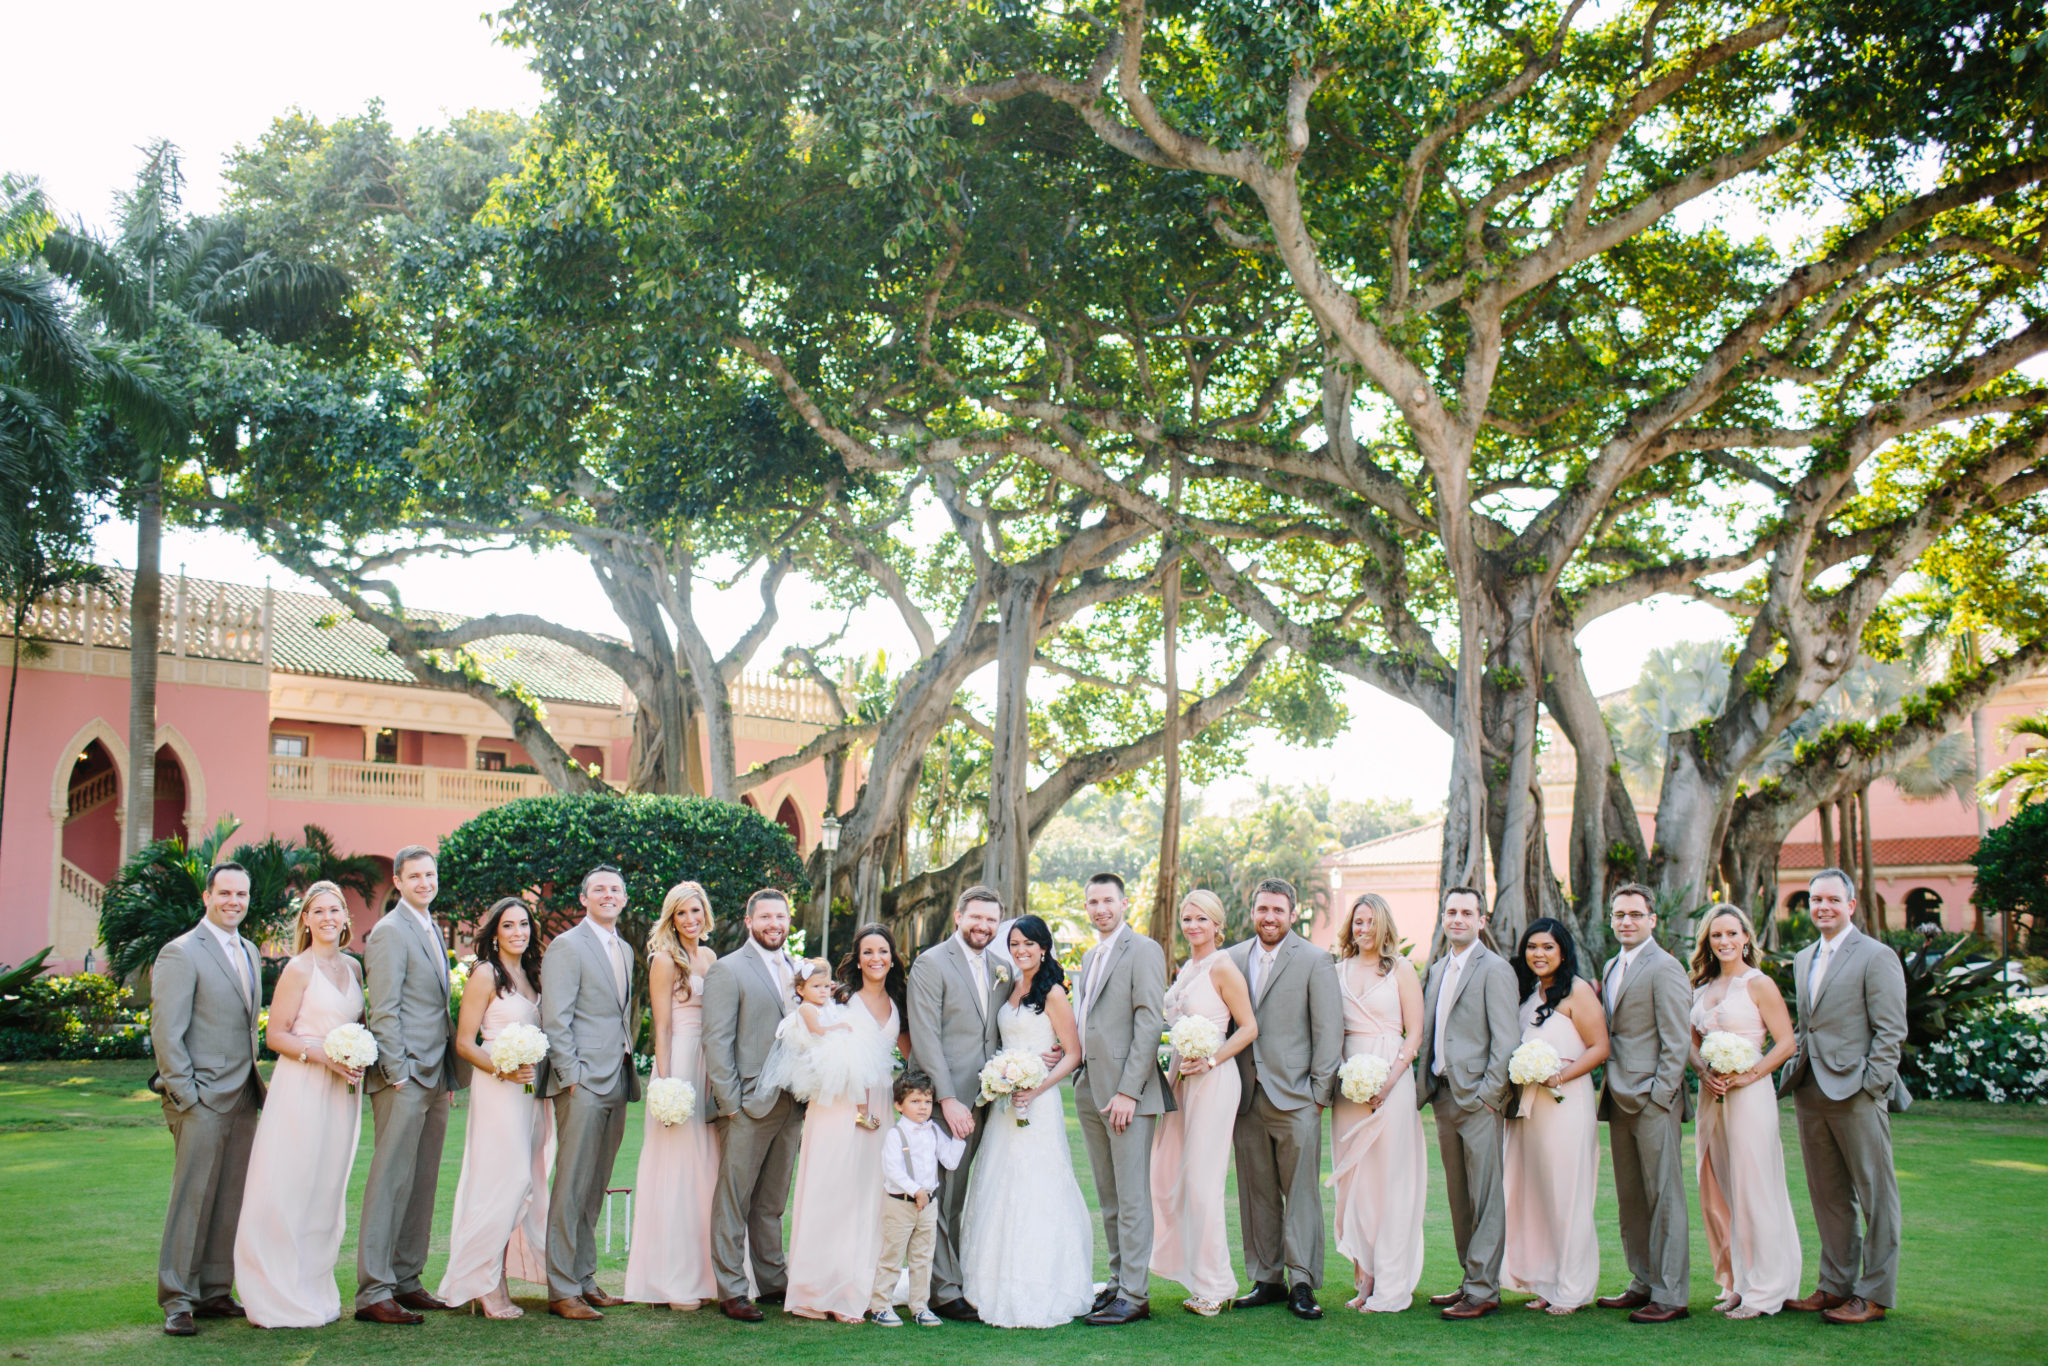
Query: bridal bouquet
{"x":1195,"y":1036}
{"x":352,"y":1046}
{"x":1534,"y":1064}
{"x":671,"y":1100}
{"x":517,"y":1046}
{"x":1011,"y":1071}
{"x":1362,"y":1076}
{"x":1728,"y":1054}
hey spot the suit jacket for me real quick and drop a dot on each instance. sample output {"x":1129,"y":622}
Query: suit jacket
{"x":583,"y":1015}
{"x":1649,"y":1024}
{"x":1301,"y":1027}
{"x":405,"y":975}
{"x":949,"y":1037}
{"x":1481,"y":1033}
{"x":743,"y":1004}
{"x":202,"y":1023}
{"x":1849,"y":1038}
{"x":1126,"y":1014}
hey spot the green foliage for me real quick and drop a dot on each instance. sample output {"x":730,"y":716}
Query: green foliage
{"x":1998,"y":1054}
{"x":543,"y":846}
{"x":1943,"y":980}
{"x":2027,"y":775}
{"x":85,"y":1015}
{"x":2012,"y":876}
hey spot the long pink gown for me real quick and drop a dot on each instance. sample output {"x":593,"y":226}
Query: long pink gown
{"x":1552,"y":1173}
{"x":500,"y":1230}
{"x":293,"y":1217}
{"x":1376,"y":1157}
{"x":1743,"y":1199}
{"x":835,"y":1222}
{"x":678,"y":1177}
{"x":1191,"y":1155}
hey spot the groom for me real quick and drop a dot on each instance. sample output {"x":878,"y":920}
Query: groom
{"x":586,"y":986}
{"x":955,"y":990}
{"x":1119,"y":1092}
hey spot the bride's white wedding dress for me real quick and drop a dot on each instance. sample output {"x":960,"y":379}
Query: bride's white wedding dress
{"x":1028,"y":1257}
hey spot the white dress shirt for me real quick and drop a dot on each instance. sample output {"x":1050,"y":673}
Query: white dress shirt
{"x":232,"y":944}
{"x":778,"y":967}
{"x":621,"y":958}
{"x":1620,"y":968}
{"x":1096,"y":961}
{"x":1454,"y":967}
{"x":913,"y":1155}
{"x":1824,"y":951}
{"x":1260,"y":962}
{"x":977,"y":964}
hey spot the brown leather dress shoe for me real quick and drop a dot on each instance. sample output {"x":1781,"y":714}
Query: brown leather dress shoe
{"x":422,"y":1301}
{"x":1855,"y":1310}
{"x":1447,"y":1299}
{"x":741,"y":1308}
{"x":219,"y":1307}
{"x":572,"y":1308}
{"x":1818,"y":1302}
{"x":180,"y":1325}
{"x":1660,"y":1313}
{"x":1627,"y":1299}
{"x":1469,"y":1308}
{"x":388,"y":1311}
{"x":602,"y":1299}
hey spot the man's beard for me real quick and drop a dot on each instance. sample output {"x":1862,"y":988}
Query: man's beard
{"x":977,"y":940}
{"x":780,"y":939}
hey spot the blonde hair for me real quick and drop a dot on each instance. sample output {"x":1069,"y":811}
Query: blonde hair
{"x":1706,"y":965}
{"x":664,"y":939}
{"x":1386,"y":936}
{"x":302,"y":938}
{"x":804,"y":970}
{"x":1209,"y":904}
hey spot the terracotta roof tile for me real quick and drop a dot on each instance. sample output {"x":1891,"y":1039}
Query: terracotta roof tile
{"x":1912,"y":852}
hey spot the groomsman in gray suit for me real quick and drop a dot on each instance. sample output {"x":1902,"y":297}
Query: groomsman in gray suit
{"x":955,"y":990}
{"x":1645,"y":1104}
{"x":1844,"y":1081}
{"x":206,"y":991}
{"x":746,"y":994}
{"x":1119,"y":1091}
{"x":1289,"y":1075}
{"x":1471,"y":1025}
{"x":586,"y":985}
{"x":406,"y":975}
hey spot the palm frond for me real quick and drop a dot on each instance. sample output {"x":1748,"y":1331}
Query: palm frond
{"x":37,"y":341}
{"x":103,"y":277}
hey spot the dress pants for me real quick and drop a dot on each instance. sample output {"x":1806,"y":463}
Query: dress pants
{"x":197,"y":1258}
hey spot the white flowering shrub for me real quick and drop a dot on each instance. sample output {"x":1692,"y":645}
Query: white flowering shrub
{"x":1998,"y":1054}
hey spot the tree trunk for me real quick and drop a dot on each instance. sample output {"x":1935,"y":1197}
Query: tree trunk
{"x":1980,"y":728}
{"x":1869,"y":862}
{"x":1166,"y":895}
{"x":145,"y":613}
{"x":1688,"y":813}
{"x":21,"y":607}
{"x":1826,"y":816}
{"x":1522,"y":871}
{"x":1006,"y":864}
{"x":1603,"y":811}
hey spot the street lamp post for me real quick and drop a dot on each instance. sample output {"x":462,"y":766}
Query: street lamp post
{"x":828,"y":837}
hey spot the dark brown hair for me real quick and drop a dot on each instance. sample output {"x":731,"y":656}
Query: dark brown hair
{"x":487,"y":952}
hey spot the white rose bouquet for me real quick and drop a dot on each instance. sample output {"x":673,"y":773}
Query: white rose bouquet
{"x":1534,"y":1064}
{"x":351,"y":1045}
{"x":1728,"y":1055}
{"x":517,"y":1046}
{"x":1363,"y":1076}
{"x":1008,"y":1072}
{"x":1195,"y":1037}
{"x":671,"y":1100}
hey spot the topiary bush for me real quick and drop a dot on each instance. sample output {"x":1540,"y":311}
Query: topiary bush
{"x":542,"y":847}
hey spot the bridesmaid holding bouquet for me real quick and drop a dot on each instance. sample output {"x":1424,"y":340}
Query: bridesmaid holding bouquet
{"x":501,"y":1204}
{"x":1376,"y":1147}
{"x":670,"y":1261}
{"x":290,"y":1231}
{"x":1191,"y":1148}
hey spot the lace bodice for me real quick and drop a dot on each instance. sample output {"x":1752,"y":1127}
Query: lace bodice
{"x":1021,"y":1028}
{"x":1735,"y":1013}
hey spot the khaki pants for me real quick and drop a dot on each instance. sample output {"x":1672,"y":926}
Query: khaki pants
{"x":907,"y":1231}
{"x":197,"y":1259}
{"x":1847,"y":1147}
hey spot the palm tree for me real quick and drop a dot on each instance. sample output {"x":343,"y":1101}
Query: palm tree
{"x":161,"y":278}
{"x":2026,"y":775}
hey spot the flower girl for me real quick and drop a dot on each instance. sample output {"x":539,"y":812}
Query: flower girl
{"x":817,"y":1056}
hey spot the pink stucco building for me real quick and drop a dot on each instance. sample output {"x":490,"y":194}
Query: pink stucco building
{"x":282,"y":711}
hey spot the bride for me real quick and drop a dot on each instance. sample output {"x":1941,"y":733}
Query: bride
{"x":1028,"y":1258}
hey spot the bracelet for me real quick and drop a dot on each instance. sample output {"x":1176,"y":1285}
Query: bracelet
{"x":303,"y":1052}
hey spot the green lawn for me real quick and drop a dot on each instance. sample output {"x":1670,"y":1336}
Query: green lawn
{"x":84,"y":1162}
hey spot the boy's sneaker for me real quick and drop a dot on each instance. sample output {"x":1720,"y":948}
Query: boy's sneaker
{"x":927,"y":1319}
{"x":886,"y":1318}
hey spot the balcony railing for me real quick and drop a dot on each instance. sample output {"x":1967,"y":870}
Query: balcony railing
{"x":194,"y":622}
{"x":342,"y":780}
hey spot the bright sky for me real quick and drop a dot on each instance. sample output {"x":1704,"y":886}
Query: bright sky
{"x":210,"y":74}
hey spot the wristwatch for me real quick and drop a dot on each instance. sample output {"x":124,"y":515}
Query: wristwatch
{"x":303,"y":1052}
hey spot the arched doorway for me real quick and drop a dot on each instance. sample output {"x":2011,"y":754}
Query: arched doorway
{"x":1923,"y":907}
{"x":92,"y":820}
{"x":172,"y":799}
{"x":790,"y":819}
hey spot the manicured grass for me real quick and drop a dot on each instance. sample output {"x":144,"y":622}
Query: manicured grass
{"x":84,"y":1166}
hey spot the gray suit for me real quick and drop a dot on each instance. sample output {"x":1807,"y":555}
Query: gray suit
{"x":590,"y":1049}
{"x":951,"y":1035}
{"x":743,"y":1004}
{"x":1481,"y":1033}
{"x":1125,"y":997}
{"x":1287,"y":1076}
{"x":1842,"y":1079}
{"x":1645,"y":1104}
{"x":202,"y":1028}
{"x":405,"y":973}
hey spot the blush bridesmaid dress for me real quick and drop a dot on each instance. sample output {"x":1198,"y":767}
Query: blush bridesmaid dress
{"x":1552,"y":1172}
{"x":1191,"y":1157}
{"x":1743,"y":1197}
{"x":1377,"y":1157}
{"x":670,"y":1262}
{"x":835,"y":1221}
{"x":500,"y":1231}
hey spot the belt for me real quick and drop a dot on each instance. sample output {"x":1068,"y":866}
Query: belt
{"x":894,"y":1196}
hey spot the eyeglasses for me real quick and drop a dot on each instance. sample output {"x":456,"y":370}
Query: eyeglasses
{"x":1631,"y":915}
